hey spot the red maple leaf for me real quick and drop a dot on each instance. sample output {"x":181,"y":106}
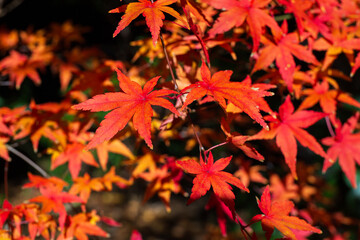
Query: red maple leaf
{"x":75,"y":154}
{"x":133,"y":103}
{"x":237,"y":12}
{"x":276,"y":215}
{"x":287,"y":126}
{"x":53,"y":200}
{"x":300,"y":12}
{"x":5,"y":211}
{"x":219,"y":87}
{"x":239,"y":141}
{"x":153,"y":13}
{"x":210,"y":174}
{"x":136,"y":235}
{"x":281,"y":50}
{"x":222,"y":212}
{"x":344,"y":146}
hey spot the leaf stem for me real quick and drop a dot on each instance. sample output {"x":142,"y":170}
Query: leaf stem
{"x":329,"y":126}
{"x":27,"y":160}
{"x":243,"y":228}
{"x":201,"y":147}
{"x":213,"y":147}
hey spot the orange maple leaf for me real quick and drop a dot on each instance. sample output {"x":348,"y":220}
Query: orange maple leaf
{"x":9,"y":118}
{"x":220,"y":88}
{"x":115,"y":146}
{"x":250,"y":173}
{"x":81,"y":225}
{"x":163,"y":183}
{"x":134,"y":103}
{"x":19,"y":66}
{"x":345,"y":146}
{"x":110,"y":177}
{"x":276,"y":215}
{"x":51,"y":182}
{"x":342,"y":40}
{"x":153,"y":13}
{"x":3,"y":149}
{"x":326,"y":97}
{"x":287,"y":126}
{"x":84,"y":185}
{"x":210,"y":174}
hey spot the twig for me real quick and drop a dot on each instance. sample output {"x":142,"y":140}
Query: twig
{"x":6,"y":170}
{"x":8,"y":83}
{"x":27,"y":160}
{"x":201,"y":148}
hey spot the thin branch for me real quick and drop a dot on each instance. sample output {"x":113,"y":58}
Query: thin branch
{"x":6,"y":184}
{"x":6,"y":83}
{"x":201,"y":148}
{"x":169,"y":64}
{"x":9,"y":7}
{"x":27,"y":160}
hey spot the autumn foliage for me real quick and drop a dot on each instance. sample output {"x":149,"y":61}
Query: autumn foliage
{"x":250,"y":105}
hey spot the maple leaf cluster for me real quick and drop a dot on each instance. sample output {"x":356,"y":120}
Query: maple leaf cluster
{"x":251,"y":94}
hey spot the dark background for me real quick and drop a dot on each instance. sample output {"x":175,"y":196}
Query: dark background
{"x":90,"y":13}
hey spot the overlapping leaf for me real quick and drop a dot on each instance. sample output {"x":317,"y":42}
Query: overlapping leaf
{"x":74,"y":154}
{"x":345,"y":146}
{"x":328,"y":98}
{"x":210,"y":174}
{"x":237,"y":12}
{"x":220,"y":88}
{"x":287,"y":127}
{"x":281,"y":51}
{"x":153,"y":13}
{"x":276,"y":215}
{"x":134,"y":103}
{"x":84,"y":185}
